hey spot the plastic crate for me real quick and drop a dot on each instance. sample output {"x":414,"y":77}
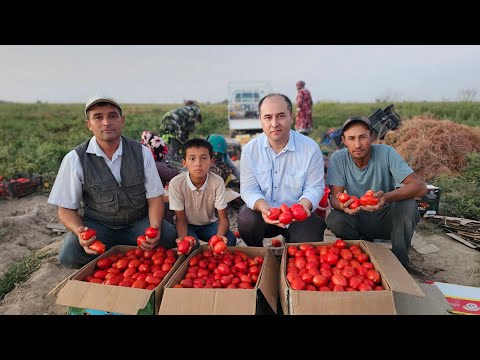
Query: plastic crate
{"x":15,"y":188}
{"x":384,"y":120}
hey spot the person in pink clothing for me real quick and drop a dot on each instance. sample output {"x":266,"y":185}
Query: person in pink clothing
{"x":303,"y":122}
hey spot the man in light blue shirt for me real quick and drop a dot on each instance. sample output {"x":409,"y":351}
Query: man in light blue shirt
{"x":362,"y":166}
{"x":116,"y":181}
{"x":278,"y":167}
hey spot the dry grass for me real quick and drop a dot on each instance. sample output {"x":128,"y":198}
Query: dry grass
{"x":434,"y":147}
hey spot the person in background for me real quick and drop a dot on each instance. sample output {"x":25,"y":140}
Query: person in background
{"x":197,"y":193}
{"x":220,"y":153}
{"x":303,"y":122}
{"x":176,"y":126}
{"x":159,"y":150}
{"x":361,"y":167}
{"x":280,"y":166}
{"x":115,"y":180}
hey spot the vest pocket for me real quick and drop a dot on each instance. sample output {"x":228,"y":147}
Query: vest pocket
{"x":136,"y":193}
{"x":104,"y":197}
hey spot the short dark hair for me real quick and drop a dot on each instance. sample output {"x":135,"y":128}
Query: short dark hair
{"x":285,"y":97}
{"x":197,"y":143}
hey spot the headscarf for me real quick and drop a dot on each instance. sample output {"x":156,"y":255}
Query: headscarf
{"x":155,"y":143}
{"x":219,"y":145}
{"x":300,"y":83}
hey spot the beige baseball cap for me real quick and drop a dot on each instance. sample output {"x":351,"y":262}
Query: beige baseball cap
{"x":99,"y":99}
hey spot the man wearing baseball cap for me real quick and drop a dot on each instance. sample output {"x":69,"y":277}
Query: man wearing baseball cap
{"x":113,"y":179}
{"x":364,"y":166}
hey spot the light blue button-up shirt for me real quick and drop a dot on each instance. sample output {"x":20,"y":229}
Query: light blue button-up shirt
{"x":294,"y":173}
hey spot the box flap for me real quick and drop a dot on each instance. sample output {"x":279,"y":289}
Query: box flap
{"x":208,"y":302}
{"x":283,"y":289}
{"x":392,"y":270}
{"x":268,"y":284}
{"x":110,"y":298}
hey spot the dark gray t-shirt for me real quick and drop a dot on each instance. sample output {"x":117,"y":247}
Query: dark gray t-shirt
{"x":385,"y":171}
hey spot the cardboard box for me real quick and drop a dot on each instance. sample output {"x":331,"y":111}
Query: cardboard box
{"x":430,"y":203}
{"x":463,"y":299}
{"x":261,"y":300}
{"x":394,"y":278}
{"x":99,"y":299}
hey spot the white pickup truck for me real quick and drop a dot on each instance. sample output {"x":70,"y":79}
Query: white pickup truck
{"x":243,"y":99}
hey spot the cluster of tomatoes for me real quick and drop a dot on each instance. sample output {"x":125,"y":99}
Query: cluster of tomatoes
{"x":286,"y":214}
{"x":137,"y":268}
{"x":230,"y":270}
{"x":367,"y":199}
{"x":331,"y":268}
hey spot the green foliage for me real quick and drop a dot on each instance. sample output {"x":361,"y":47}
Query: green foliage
{"x":21,"y":270}
{"x":36,"y":137}
{"x":462,"y":194}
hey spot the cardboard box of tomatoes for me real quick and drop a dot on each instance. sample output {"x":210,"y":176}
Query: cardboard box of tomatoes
{"x":346,"y":299}
{"x":260,"y":298}
{"x":88,"y":298}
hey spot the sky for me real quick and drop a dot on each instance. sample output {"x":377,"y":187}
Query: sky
{"x":172,"y":73}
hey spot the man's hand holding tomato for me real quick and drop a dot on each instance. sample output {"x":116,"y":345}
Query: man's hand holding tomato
{"x":345,"y":206}
{"x":85,"y":243}
{"x":150,"y":242}
{"x":264,"y":208}
{"x":190,"y":239}
{"x":380,"y":195}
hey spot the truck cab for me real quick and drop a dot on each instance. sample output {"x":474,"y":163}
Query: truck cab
{"x":243,"y":99}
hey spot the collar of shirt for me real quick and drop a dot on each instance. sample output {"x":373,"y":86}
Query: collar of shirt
{"x":94,"y":148}
{"x":289,"y":147}
{"x":193,"y":187}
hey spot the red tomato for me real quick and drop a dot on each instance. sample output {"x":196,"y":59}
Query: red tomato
{"x":104,"y":263}
{"x":274,"y":213}
{"x":276,"y":242}
{"x":361,"y":258}
{"x":319,"y":281}
{"x":97,"y":246}
{"x":152,"y":280}
{"x":355,"y":204}
{"x":369,"y":193}
{"x":373,"y":275}
{"x":296,"y":206}
{"x":343,"y":197}
{"x":299,"y":214}
{"x":151,"y":232}
{"x":144,"y":268}
{"x":339,"y":280}
{"x":284,"y":208}
{"x":286,"y":217}
{"x":340,"y":243}
{"x":121,"y":264}
{"x":346,"y":254}
{"x":183,"y":246}
{"x":298,"y":284}
{"x":88,"y":234}
{"x":140,"y":240}
{"x":219,"y":248}
{"x":139,"y":284}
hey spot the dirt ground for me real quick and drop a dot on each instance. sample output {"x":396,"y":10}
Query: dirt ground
{"x":23,"y":228}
